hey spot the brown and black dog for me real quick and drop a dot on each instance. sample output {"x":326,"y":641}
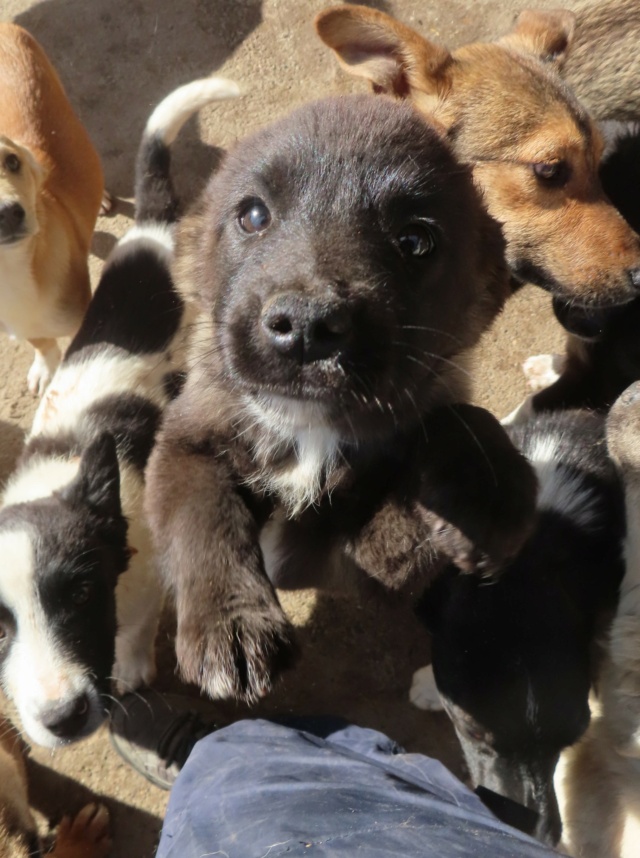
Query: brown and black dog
{"x":533,"y":149}
{"x":343,"y":266}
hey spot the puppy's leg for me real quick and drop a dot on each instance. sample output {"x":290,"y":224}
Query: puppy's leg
{"x":44,"y":364}
{"x":135,"y":662}
{"x":424,"y":692}
{"x":84,"y":836}
{"x":233,"y":637}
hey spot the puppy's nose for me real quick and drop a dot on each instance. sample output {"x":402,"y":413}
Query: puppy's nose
{"x":304,"y":328}
{"x":66,"y":718}
{"x":12,"y":217}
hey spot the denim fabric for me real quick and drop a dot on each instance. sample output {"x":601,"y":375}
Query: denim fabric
{"x":260,"y":789}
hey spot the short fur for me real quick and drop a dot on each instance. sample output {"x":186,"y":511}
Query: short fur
{"x":603,"y":353}
{"x":602,"y":776}
{"x":86,"y":836}
{"x":512,"y":661}
{"x":79,"y":597}
{"x":508,"y":114}
{"x":320,"y":405}
{"x":51,"y":188}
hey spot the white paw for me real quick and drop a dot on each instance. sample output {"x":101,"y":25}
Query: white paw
{"x":542,"y":370}
{"x":424,"y":692}
{"x":42,"y":369}
{"x":133,"y":670}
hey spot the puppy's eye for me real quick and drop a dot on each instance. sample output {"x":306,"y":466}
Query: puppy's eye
{"x":81,"y":593}
{"x":256,"y":218}
{"x":12,"y":163}
{"x":555,"y":173}
{"x":417,"y":239}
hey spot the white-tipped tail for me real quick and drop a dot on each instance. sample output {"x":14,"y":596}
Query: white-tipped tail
{"x":173,"y":111}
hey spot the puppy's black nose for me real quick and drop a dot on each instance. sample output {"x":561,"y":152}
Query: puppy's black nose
{"x":304,"y":328}
{"x":66,"y":718}
{"x":12,"y":217}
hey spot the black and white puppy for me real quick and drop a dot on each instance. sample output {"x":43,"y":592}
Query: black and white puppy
{"x":512,"y":661}
{"x":603,"y":350}
{"x":79,"y":598}
{"x":344,"y":267}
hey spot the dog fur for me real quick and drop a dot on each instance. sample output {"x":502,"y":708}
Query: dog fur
{"x":72,"y":523}
{"x":601,"y":782}
{"x":51,"y":189}
{"x":85,"y":836}
{"x":512,"y":661}
{"x":343,"y":267}
{"x":602,"y":67}
{"x":533,"y":149}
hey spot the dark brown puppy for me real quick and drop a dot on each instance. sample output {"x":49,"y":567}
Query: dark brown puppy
{"x":343,"y":266}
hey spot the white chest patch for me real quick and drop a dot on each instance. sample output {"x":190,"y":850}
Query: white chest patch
{"x":298,"y":428}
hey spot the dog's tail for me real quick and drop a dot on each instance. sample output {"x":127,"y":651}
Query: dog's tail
{"x":156,"y":199}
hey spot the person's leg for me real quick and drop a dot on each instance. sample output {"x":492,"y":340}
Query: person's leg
{"x":257,"y":788}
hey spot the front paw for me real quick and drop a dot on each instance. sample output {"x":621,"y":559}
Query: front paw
{"x":238,"y":656}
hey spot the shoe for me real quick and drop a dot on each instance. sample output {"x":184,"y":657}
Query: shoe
{"x":155,"y":733}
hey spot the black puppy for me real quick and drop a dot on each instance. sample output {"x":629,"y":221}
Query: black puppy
{"x":603,"y":353}
{"x":512,"y":660}
{"x":344,"y":266}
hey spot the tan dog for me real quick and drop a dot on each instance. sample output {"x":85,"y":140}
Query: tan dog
{"x":86,"y":836}
{"x":533,"y":149}
{"x":51,"y":188}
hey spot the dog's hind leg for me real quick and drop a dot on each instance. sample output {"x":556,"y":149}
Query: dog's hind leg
{"x":44,"y":364}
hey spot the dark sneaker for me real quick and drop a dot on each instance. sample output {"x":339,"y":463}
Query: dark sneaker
{"x":155,"y":733}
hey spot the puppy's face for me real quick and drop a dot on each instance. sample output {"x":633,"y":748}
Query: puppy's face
{"x":345,"y":263}
{"x":21,"y":179}
{"x":533,"y":150}
{"x":61,"y":557}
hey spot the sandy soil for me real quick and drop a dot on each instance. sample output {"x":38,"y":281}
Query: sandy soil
{"x":118,"y":58}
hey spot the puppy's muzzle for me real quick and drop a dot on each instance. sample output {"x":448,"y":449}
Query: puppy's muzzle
{"x":306,"y":329}
{"x":67,"y":718}
{"x":12,"y":222}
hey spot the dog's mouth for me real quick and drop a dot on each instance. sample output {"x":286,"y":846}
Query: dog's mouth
{"x":586,"y":314}
{"x":13,"y":238}
{"x":587,"y":323}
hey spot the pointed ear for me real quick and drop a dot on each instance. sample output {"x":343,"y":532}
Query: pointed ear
{"x":370,"y":44}
{"x":97,"y":484}
{"x":546,"y":35}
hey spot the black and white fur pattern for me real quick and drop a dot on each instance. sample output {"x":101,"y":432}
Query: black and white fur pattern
{"x":512,"y":661}
{"x":71,"y":524}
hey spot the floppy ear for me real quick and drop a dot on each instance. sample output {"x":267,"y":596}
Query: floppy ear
{"x":395,"y":58}
{"x":97,"y":484}
{"x":546,"y":35}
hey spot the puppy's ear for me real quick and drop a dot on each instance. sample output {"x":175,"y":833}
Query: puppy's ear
{"x":395,"y":58}
{"x":546,"y":35}
{"x":97,"y":484}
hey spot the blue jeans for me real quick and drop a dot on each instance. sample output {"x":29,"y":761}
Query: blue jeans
{"x":259,"y":788}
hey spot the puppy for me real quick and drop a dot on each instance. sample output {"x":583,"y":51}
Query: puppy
{"x":533,"y":149}
{"x":602,"y":357}
{"x":86,"y":836}
{"x":78,"y":591}
{"x":512,"y":661}
{"x":51,"y":188}
{"x":602,"y":775}
{"x":343,"y":267}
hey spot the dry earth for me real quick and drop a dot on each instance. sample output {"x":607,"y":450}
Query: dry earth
{"x":117,"y":59}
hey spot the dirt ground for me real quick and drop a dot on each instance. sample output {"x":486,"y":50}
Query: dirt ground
{"x":118,"y":58}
